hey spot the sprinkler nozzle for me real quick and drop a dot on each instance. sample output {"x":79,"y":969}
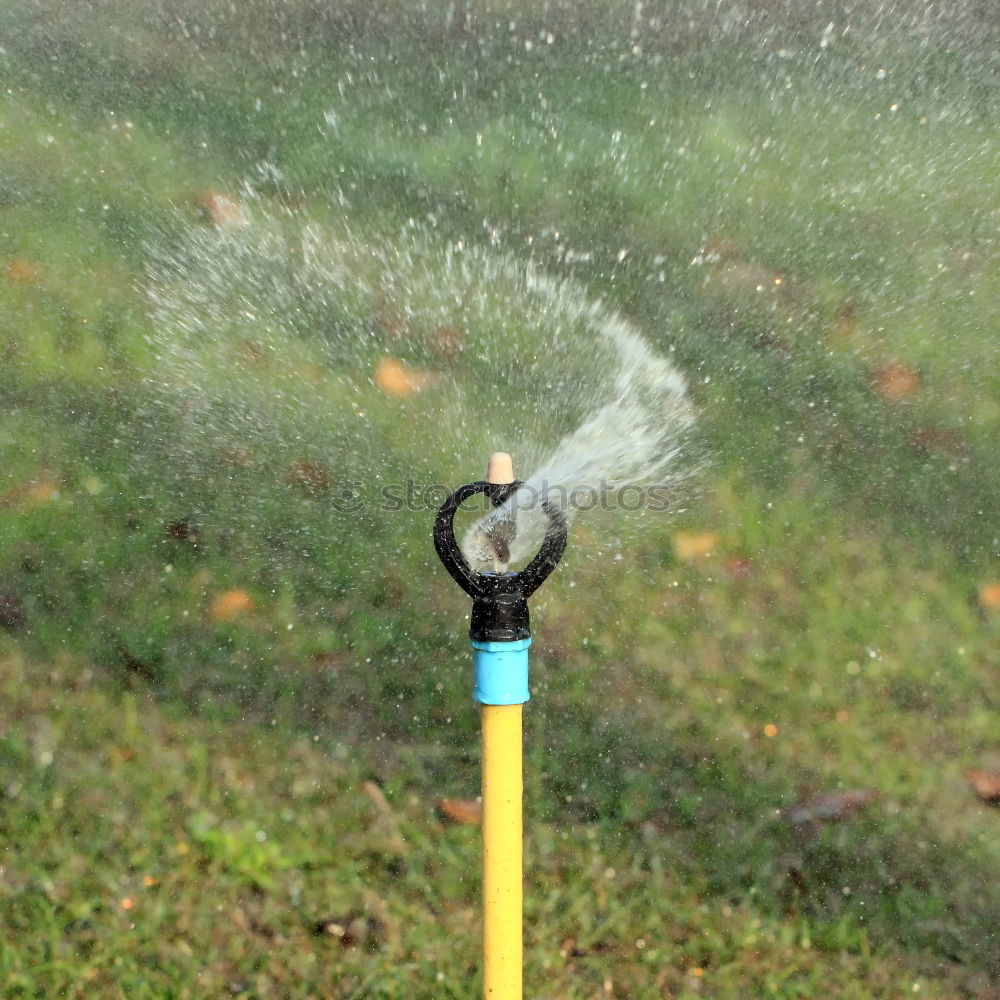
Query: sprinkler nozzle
{"x":500,"y":469}
{"x":499,"y":600}
{"x":500,"y":530}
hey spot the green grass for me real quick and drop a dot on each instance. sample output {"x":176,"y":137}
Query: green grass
{"x":152,"y":854}
{"x":213,"y":772}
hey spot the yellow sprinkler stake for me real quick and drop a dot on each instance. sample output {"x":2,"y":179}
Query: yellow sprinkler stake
{"x":502,"y":852}
{"x":500,"y":637}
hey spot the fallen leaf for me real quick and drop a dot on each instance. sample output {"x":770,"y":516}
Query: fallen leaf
{"x":377,"y":796}
{"x":311,"y":477}
{"x":134,"y":665}
{"x":798,"y":880}
{"x":846,"y":324}
{"x":12,"y":614}
{"x":468,"y":811}
{"x":327,"y":660}
{"x":832,"y":807}
{"x":351,"y":930}
{"x":222,"y":209}
{"x":895,"y":381}
{"x":397,"y":379}
{"x":986,"y":785}
{"x":691,"y":547}
{"x":389,"y":821}
{"x":35,"y":491}
{"x":989,"y":596}
{"x":23,"y":271}
{"x":248,"y":923}
{"x":393,"y":324}
{"x":183,"y":531}
{"x":250,"y":350}
{"x":446,"y":342}
{"x":570,"y":948}
{"x":230,"y":605}
{"x":939,"y":442}
{"x":739,"y":567}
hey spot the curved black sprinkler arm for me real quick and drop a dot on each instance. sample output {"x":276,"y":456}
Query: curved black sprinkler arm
{"x":499,"y":600}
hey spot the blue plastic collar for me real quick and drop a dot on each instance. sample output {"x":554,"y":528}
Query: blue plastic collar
{"x":502,"y":672}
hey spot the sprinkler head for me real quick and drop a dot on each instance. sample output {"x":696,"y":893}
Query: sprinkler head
{"x":500,"y":469}
{"x":499,"y":600}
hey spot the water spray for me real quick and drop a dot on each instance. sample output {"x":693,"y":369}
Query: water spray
{"x":501,"y":634}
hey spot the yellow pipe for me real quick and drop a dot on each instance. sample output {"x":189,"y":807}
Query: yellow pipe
{"x":502,"y":858}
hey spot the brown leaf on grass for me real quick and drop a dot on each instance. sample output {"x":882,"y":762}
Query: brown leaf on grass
{"x":12,"y":614}
{"x":249,"y":923}
{"x":739,"y":567}
{"x":571,"y":948}
{"x":846,"y":325}
{"x":221,"y":209}
{"x":311,"y":477}
{"x":446,"y":342}
{"x":134,"y":665}
{"x":326,"y":660}
{"x":377,"y":796}
{"x":797,"y":881}
{"x":23,"y":271}
{"x":939,"y":442}
{"x":394,"y":325}
{"x":395,"y":378}
{"x":895,"y":381}
{"x":391,"y":590}
{"x":691,"y":546}
{"x":831,"y":807}
{"x":388,"y":820}
{"x":230,"y":605}
{"x":32,"y":493}
{"x":351,"y":930}
{"x":467,"y":811}
{"x":184,"y":531}
{"x":986,"y":785}
{"x":250,"y":350}
{"x":989,"y":596}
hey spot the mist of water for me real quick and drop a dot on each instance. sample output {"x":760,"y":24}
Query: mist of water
{"x":269,"y":333}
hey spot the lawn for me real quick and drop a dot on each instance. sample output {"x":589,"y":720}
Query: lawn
{"x":235,"y":687}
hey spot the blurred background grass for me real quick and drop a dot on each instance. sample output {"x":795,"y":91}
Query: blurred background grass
{"x":228,"y":717}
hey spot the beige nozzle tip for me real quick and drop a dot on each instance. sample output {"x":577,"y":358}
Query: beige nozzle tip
{"x":500,"y":468}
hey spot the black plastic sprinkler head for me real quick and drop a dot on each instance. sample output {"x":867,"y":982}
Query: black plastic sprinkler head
{"x":499,"y":600}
